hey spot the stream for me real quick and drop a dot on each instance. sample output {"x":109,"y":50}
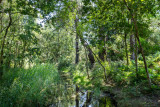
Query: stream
{"x":87,"y":99}
{"x":68,"y":97}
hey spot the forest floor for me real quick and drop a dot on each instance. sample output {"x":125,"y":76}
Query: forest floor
{"x":125,"y":100}
{"x":132,"y":96}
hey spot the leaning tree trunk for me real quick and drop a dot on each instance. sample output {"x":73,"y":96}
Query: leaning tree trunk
{"x":91,"y":52}
{"x":141,"y":49}
{"x":3,"y":43}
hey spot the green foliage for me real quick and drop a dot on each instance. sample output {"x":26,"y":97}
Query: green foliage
{"x":64,"y":63}
{"x":29,"y":87}
{"x":44,"y":31}
{"x":126,"y":75}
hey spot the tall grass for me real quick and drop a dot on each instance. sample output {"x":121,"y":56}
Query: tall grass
{"x":32,"y":87}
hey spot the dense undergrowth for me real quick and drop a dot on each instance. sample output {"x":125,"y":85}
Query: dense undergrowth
{"x":120,"y":74}
{"x":132,"y":90}
{"x":38,"y":86}
{"x":46,"y":83}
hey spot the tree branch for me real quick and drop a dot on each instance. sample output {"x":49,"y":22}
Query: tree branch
{"x":10,"y":25}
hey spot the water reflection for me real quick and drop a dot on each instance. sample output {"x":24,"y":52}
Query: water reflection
{"x":69,"y":95}
{"x":86,"y":99}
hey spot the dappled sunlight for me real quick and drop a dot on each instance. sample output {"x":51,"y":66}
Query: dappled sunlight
{"x":79,"y":53}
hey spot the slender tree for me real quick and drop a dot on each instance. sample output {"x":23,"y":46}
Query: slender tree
{"x":137,"y":36}
{"x":4,"y":40}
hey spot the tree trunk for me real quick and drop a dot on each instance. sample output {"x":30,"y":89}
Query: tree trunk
{"x":77,"y":59}
{"x":90,"y":50}
{"x":77,"y":43}
{"x":1,"y":22}
{"x":16,"y":55}
{"x":0,"y":1}
{"x":136,"y":52}
{"x":132,"y":44}
{"x":126,"y":48}
{"x":86,"y":62}
{"x":141,"y":49}
{"x":3,"y":44}
{"x":102,"y":54}
{"x":90,"y":54}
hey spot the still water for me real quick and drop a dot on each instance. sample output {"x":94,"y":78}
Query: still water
{"x":66,"y":96}
{"x":86,"y":99}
